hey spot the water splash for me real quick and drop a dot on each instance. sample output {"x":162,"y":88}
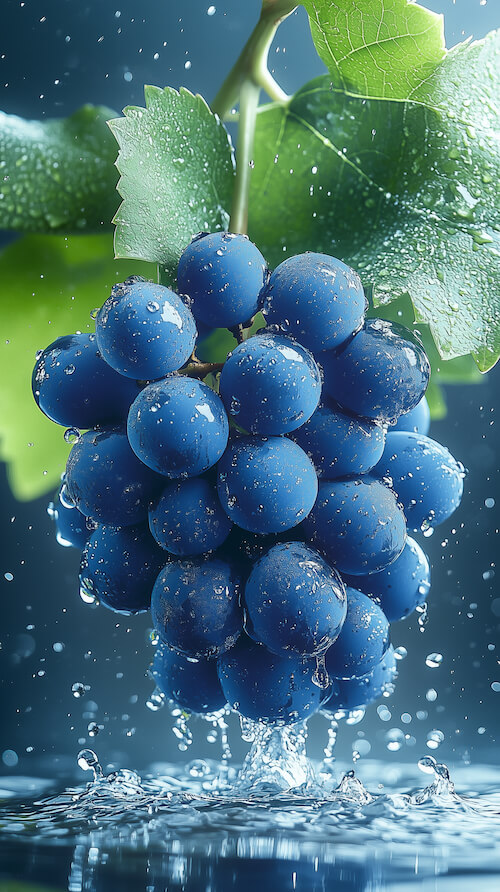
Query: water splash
{"x":277,"y":759}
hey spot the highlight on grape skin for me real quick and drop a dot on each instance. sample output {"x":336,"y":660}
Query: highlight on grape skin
{"x":295,"y":603}
{"x":145,"y":330}
{"x":231,"y":515}
{"x":316,"y":299}
{"x":270,"y":384}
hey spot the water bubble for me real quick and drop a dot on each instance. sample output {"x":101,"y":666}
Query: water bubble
{"x":489,"y":503}
{"x":86,"y":593}
{"x":10,"y":758}
{"x":427,"y":764}
{"x":320,"y":675}
{"x":433,"y":660}
{"x":211,"y":10}
{"x":69,"y":369}
{"x":64,"y":497}
{"x":94,"y":313}
{"x":93,"y":729}
{"x":87,"y":760}
{"x":78,"y":689}
{"x":156,"y":700}
{"x":423,"y":615}
{"x":72,"y":435}
{"x":434,"y":739}
{"x":153,"y":306}
{"x":431,"y":695}
{"x":394,"y":739}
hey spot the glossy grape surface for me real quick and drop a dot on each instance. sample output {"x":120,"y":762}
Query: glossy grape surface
{"x":266,"y":486}
{"x":193,"y":685}
{"x":145,"y":330}
{"x":178,"y":427}
{"x":295,"y":602}
{"x":107,"y":481}
{"x":270,"y":384}
{"x":316,"y":299}
{"x":74,"y":387}
{"x":223,"y":273}
{"x":187,"y":518}
{"x":70,"y":523}
{"x":353,"y":693}
{"x":340,"y":445}
{"x":357,"y":524}
{"x":426,"y":477}
{"x":402,"y":586}
{"x":266,"y":687}
{"x":119,"y":567}
{"x":417,"y":420}
{"x":195,"y":606}
{"x":381,"y":373}
{"x":363,"y":639}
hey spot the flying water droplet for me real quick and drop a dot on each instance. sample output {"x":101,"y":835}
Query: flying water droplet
{"x":88,"y":761}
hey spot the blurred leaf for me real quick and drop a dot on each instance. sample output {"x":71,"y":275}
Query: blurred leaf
{"x":383,"y":49}
{"x":58,"y":175}
{"x":436,"y":399}
{"x":405,"y":192}
{"x":49,"y":286}
{"x":176,"y":166}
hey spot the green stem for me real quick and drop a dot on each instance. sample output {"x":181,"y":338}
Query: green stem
{"x":252,"y":62}
{"x":249,"y":101}
{"x":248,"y":76}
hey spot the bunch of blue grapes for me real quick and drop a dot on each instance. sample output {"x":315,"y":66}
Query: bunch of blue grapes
{"x":259,"y":507}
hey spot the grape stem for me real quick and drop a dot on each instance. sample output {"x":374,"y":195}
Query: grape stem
{"x":248,"y":76}
{"x":201,"y":369}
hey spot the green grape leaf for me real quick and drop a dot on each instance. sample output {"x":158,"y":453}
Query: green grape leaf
{"x":405,"y":192}
{"x":177,"y":170}
{"x":49,"y":286}
{"x":58,"y":175}
{"x":382,"y":49}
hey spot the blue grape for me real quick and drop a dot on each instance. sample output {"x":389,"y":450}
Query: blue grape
{"x":340,"y":445}
{"x":402,"y":586}
{"x":295,"y":602}
{"x":187,"y":518}
{"x":74,"y":387}
{"x":196,"y":608}
{"x":426,"y":477}
{"x":107,"y":481}
{"x":357,"y":524}
{"x":193,"y":684}
{"x":70,"y":523}
{"x":178,"y":427}
{"x":352,"y":693}
{"x":270,"y":384}
{"x":119,"y":567}
{"x":223,"y":273}
{"x":417,"y":420}
{"x":315,"y":298}
{"x":380,"y":374}
{"x":266,"y":486}
{"x":145,"y":330}
{"x":265,"y":687}
{"x":363,"y":639}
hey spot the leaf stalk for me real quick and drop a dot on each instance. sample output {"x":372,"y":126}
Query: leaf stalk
{"x":248,"y":76}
